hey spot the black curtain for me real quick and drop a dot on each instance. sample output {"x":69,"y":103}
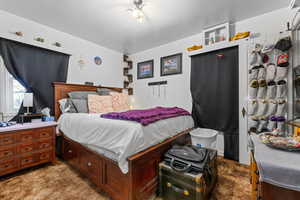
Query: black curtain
{"x":215,"y":94}
{"x":36,"y":69}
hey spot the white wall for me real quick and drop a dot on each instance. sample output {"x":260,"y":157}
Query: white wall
{"x":108,"y":74}
{"x":178,"y":90}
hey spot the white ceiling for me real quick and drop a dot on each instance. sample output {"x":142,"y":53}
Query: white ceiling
{"x":107,"y":22}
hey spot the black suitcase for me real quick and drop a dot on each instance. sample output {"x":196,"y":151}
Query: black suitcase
{"x":188,"y":180}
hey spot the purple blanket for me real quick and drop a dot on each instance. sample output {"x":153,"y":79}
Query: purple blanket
{"x":147,"y":116}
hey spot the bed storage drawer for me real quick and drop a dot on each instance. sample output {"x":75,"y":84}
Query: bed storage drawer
{"x":91,"y":166}
{"x":70,"y":153}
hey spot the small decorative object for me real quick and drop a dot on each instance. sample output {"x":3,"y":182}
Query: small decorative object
{"x":284,"y":143}
{"x":219,"y":33}
{"x":239,"y":36}
{"x":98,"y":60}
{"x":171,"y":65}
{"x":46,"y":112}
{"x":28,"y":101}
{"x":195,"y":47}
{"x":89,"y":83}
{"x":57,"y":44}
{"x":145,"y":69}
{"x":39,"y":39}
{"x":19,"y":33}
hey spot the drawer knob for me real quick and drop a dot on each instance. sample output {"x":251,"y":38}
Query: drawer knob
{"x":169,"y":185}
{"x":70,"y":151}
{"x":89,"y":164}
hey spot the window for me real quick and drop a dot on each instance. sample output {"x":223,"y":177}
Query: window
{"x":17,"y":94}
{"x":11,"y":92}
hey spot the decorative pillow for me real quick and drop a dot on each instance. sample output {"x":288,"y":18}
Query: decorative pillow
{"x":80,"y":94}
{"x":80,"y":105}
{"x":103,"y":91}
{"x":66,"y":106}
{"x":100,"y":104}
{"x":120,"y":101}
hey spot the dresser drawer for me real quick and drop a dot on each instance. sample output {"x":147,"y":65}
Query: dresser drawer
{"x":8,"y":166}
{"x":44,"y":144}
{"x":27,"y":136}
{"x":45,"y":156}
{"x":7,"y":139}
{"x":45,"y":133}
{"x":26,"y":148}
{"x":27,"y":161}
{"x":7,"y":153}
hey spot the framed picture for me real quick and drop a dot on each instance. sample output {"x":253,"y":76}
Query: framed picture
{"x":171,"y":65}
{"x":145,"y":69}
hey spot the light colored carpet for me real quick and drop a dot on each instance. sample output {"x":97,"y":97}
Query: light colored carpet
{"x":60,"y":182}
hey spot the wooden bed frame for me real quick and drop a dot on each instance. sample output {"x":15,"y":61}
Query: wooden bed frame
{"x":141,"y":181}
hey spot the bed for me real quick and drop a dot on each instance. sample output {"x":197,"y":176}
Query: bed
{"x":124,"y":172}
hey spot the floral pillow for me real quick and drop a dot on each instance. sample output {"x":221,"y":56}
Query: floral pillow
{"x":100,"y":104}
{"x":120,"y":101}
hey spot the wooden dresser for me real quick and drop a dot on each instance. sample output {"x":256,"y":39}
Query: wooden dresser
{"x":27,"y":145}
{"x":266,"y":191}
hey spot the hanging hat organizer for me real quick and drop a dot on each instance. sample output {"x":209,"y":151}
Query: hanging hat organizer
{"x":267,"y":92}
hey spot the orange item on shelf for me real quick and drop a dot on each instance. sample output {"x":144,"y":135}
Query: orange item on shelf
{"x":239,"y":36}
{"x":195,"y":47}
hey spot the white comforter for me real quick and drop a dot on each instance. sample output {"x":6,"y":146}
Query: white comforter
{"x":119,"y":139}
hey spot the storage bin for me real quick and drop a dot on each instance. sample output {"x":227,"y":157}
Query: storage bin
{"x":204,"y":137}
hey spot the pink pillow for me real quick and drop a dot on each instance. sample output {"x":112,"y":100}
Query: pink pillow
{"x":99,"y":104}
{"x":120,"y":101}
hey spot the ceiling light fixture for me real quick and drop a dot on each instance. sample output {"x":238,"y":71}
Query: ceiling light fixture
{"x":137,"y":12}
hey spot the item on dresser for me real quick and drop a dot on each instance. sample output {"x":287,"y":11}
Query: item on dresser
{"x":23,"y":146}
{"x":27,"y":118}
{"x":271,"y":139}
{"x":193,"y":184}
{"x":6,"y":124}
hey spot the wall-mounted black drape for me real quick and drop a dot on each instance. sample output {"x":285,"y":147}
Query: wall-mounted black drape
{"x":35,"y":68}
{"x":215,"y":94}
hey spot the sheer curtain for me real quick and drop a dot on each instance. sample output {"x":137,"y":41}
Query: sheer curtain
{"x":7,"y":102}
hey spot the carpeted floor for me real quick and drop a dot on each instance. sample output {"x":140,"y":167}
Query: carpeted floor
{"x":60,"y":182}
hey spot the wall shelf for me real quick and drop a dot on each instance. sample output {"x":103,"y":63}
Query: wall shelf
{"x":128,"y":78}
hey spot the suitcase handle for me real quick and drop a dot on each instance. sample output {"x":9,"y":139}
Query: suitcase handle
{"x":179,"y":169}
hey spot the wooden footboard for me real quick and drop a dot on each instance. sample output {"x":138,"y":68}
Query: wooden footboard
{"x":140,"y":183}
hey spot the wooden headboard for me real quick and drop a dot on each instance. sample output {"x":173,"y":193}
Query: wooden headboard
{"x":61,"y":91}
